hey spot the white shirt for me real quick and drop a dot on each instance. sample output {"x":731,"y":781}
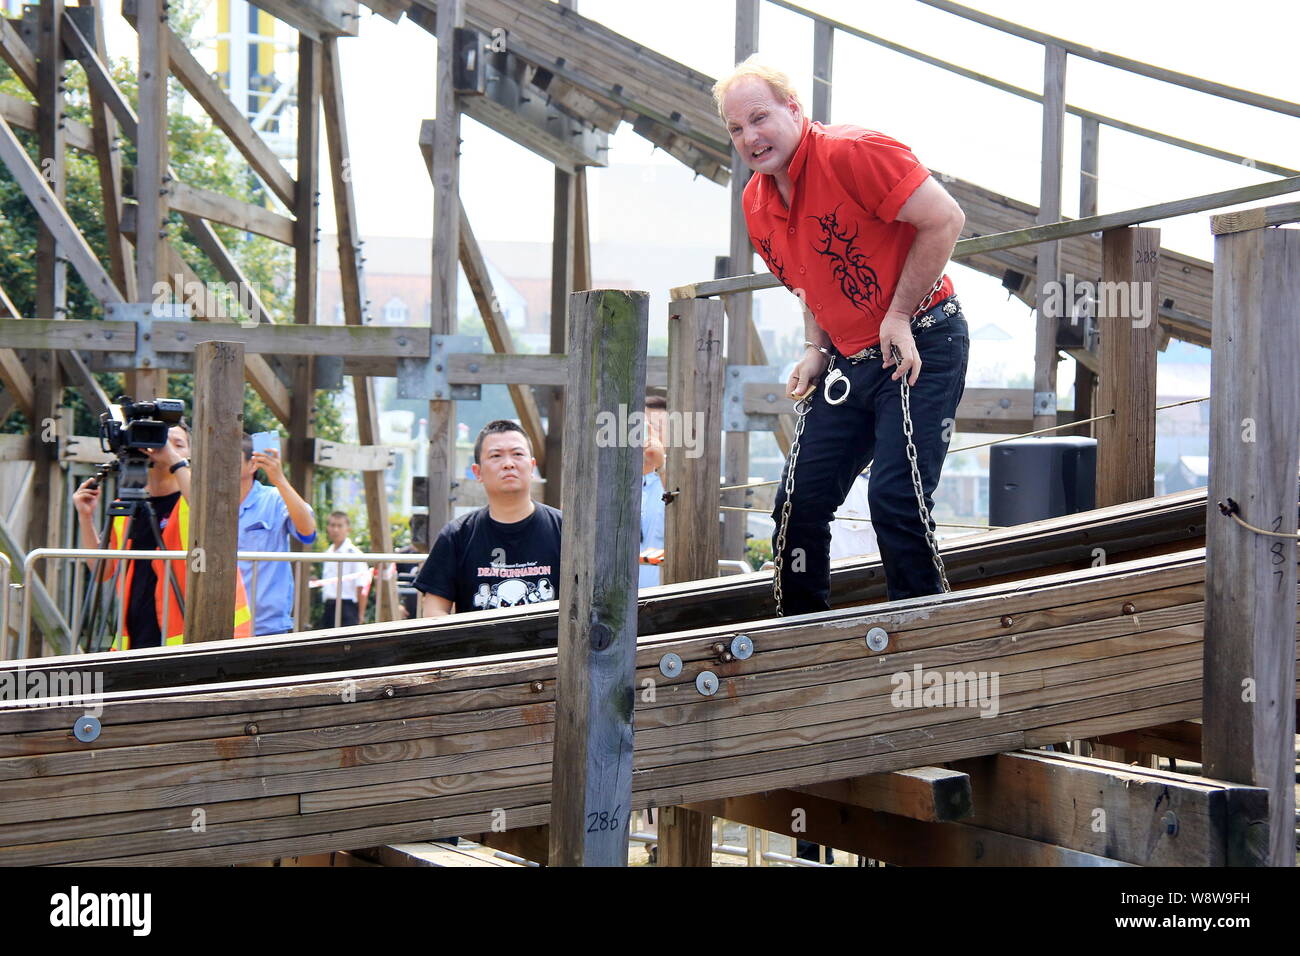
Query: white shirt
{"x":356,"y":575}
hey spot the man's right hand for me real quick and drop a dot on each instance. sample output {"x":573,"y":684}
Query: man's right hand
{"x":807,"y":373}
{"x":86,"y":497}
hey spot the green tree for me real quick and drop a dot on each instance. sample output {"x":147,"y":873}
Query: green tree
{"x":201,"y":156}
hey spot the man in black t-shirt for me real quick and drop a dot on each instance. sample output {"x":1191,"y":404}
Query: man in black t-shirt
{"x":504,"y":555}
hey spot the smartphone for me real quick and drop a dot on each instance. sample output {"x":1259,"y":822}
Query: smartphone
{"x":266,"y":441}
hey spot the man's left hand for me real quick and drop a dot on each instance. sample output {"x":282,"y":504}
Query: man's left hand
{"x":269,"y":462}
{"x":896,"y":332}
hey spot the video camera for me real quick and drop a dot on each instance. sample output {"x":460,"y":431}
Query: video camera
{"x":128,"y":430}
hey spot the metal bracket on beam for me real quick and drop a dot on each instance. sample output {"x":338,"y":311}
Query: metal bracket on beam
{"x":734,"y":418}
{"x":327,"y":373}
{"x":144,"y":314}
{"x":420,"y":378}
{"x":1044,"y":403}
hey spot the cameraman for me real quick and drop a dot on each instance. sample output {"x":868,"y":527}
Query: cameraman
{"x":143,"y":585}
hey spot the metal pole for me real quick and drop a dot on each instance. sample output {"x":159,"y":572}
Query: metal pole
{"x":5,"y":567}
{"x":252,"y":601}
{"x":338,"y":593}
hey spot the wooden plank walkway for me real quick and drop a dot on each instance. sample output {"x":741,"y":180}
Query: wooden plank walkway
{"x":292,"y":766}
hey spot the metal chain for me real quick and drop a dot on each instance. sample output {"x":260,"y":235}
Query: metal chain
{"x":801,"y":408}
{"x":922,"y":511}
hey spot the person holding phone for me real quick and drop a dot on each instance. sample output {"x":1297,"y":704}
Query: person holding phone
{"x":268,"y":514}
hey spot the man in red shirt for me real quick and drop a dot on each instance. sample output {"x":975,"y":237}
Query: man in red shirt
{"x":852,"y":223}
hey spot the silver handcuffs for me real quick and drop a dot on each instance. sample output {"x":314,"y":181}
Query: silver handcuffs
{"x":833,"y":378}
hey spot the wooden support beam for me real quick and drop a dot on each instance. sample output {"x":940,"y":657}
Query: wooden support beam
{"x":925,"y":793}
{"x":446,"y":249}
{"x":1180,"y":740}
{"x":1049,"y":211}
{"x":229,"y":118}
{"x":1129,"y":293}
{"x":893,"y":839}
{"x":823,"y":61}
{"x":216,"y":207}
{"x":686,"y":836}
{"x":1113,"y":810}
{"x":17,"y":382}
{"x":696,"y":376}
{"x":591,"y":775}
{"x":15,"y":52}
{"x":528,"y":843}
{"x":494,"y":321}
{"x":151,"y":191}
{"x":107,"y":154}
{"x":562,"y":241}
{"x":302,"y":399}
{"x":46,"y":193}
{"x":218,"y":429}
{"x":1085,"y":379}
{"x":740,"y":330}
{"x":352,"y":280}
{"x":1243,"y":219}
{"x":1250,"y":672}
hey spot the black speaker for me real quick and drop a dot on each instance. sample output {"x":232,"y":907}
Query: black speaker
{"x":1035,"y":478}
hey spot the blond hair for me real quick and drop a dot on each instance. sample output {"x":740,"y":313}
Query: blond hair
{"x":753,"y":67}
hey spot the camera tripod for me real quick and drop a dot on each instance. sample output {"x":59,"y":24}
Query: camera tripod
{"x":101,"y":615}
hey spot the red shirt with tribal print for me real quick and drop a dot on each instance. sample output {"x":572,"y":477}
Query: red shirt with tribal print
{"x":839,"y":245}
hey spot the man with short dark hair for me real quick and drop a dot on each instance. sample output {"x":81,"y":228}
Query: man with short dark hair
{"x":343,"y":582}
{"x":268,"y":514}
{"x":504,"y":555}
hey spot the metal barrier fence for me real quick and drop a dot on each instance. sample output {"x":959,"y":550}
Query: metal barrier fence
{"x":257,"y":557}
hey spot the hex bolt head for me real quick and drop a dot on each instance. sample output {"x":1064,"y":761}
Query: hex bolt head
{"x":536,"y":687}
{"x":1007,"y":620}
{"x":251,"y":729}
{"x":1129,"y":608}
{"x":670,"y":665}
{"x":389,"y":691}
{"x":707,"y":683}
{"x":877,"y":639}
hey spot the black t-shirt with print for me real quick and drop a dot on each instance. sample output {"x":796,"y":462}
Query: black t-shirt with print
{"x":480,"y":564}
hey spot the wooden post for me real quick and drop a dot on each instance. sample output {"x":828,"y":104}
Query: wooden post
{"x":151,"y":146}
{"x":562,"y":249}
{"x":1126,"y":443}
{"x":302,"y":401}
{"x":1049,"y":210}
{"x":214,"y":536}
{"x":353,"y":282}
{"x":47,"y":502}
{"x":109,"y":161}
{"x":1250,"y":579}
{"x":1085,"y":382}
{"x":740,"y":259}
{"x":823,"y":59}
{"x":696,"y":374}
{"x":446,"y":248}
{"x":591,"y":779}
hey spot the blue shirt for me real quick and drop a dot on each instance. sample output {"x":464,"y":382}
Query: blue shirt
{"x":265,"y":525}
{"x":652,"y":525}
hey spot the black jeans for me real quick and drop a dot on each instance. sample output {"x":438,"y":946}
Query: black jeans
{"x":839,"y":441}
{"x":347,"y":618}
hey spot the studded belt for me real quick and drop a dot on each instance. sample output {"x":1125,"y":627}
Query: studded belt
{"x":940,"y":310}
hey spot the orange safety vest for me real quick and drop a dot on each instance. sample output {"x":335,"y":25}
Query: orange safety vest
{"x":175,"y":532}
